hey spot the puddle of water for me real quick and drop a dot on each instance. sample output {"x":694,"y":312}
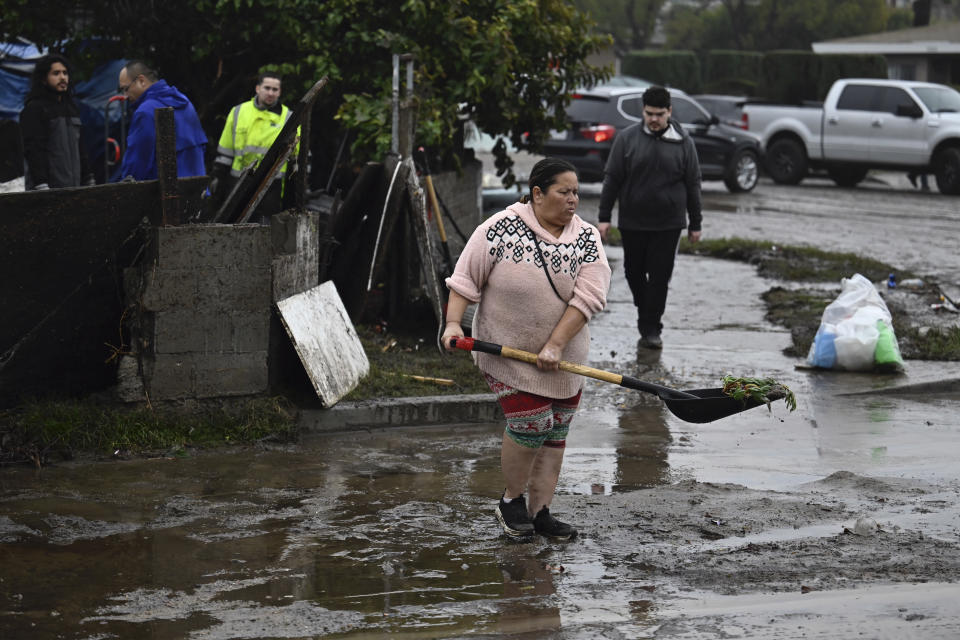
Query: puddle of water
{"x":360,"y":533}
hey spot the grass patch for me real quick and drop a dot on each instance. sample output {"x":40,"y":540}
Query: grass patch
{"x":800,"y":311}
{"x":793,"y":263}
{"x":396,"y":355}
{"x":37,"y":431}
{"x":934,"y":344}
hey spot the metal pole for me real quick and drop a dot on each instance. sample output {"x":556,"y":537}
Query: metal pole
{"x":395,"y":103}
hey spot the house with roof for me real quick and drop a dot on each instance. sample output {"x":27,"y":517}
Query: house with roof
{"x":930,"y":53}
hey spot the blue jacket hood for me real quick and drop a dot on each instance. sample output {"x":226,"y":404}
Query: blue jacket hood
{"x":139,"y":160}
{"x":163,"y":93}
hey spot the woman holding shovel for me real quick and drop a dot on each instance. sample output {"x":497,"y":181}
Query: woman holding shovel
{"x":540,"y":273}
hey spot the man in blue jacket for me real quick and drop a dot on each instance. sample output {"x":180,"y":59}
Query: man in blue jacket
{"x":146,"y":92}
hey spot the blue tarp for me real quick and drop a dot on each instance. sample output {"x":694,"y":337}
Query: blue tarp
{"x":16,"y":65}
{"x":13,"y":89}
{"x":19,"y":56}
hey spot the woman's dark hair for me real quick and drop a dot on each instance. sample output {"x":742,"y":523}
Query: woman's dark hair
{"x":42,"y":68}
{"x":545,"y":173}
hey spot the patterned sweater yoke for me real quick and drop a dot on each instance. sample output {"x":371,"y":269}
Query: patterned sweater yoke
{"x":512,"y":239}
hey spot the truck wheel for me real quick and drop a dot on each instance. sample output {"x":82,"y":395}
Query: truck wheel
{"x":742,"y":172}
{"x":847,"y":176}
{"x":786,"y":161}
{"x":947,"y":171}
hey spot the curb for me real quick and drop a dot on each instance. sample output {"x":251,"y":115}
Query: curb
{"x":402,"y":412}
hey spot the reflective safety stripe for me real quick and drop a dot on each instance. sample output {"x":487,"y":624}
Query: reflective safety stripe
{"x":236,"y":118}
{"x":252,"y":149}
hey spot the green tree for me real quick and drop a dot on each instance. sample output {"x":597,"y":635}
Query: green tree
{"x":700,"y":30}
{"x":777,"y":24}
{"x":508,"y":64}
{"x":631,"y":23}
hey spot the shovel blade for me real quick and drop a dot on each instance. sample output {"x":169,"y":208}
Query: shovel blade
{"x":709,"y":405}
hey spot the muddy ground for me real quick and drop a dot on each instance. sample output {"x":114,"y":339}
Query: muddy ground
{"x":392,"y":533}
{"x":844,"y":532}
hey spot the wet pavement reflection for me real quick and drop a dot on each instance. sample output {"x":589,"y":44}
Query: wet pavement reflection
{"x":378,"y":532}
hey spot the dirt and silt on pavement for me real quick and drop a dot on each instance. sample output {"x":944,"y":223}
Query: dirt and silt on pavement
{"x":837,"y":520}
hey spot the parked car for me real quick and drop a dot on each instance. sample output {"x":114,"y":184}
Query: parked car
{"x":596,"y":115}
{"x":863,"y":124}
{"x":728,"y":108}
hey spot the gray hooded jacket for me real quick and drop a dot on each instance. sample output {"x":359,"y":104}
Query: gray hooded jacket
{"x":656,"y":180}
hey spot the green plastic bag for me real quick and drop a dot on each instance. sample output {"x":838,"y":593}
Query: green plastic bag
{"x":887,"y":356}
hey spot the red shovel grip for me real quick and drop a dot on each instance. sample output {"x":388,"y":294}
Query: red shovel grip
{"x":462,"y":343}
{"x":472,"y":344}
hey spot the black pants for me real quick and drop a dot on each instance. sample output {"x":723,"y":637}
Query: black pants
{"x":648,"y":258}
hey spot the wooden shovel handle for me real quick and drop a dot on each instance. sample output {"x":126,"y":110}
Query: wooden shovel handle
{"x":665,"y":393}
{"x":470,"y":344}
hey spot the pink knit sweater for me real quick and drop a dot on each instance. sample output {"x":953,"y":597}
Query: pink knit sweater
{"x":500,"y":269}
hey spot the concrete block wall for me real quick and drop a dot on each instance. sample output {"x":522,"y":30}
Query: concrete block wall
{"x":295,"y":254}
{"x":462,"y":193}
{"x":206,"y":298}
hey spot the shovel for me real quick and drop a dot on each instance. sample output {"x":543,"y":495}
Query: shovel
{"x":695,"y":405}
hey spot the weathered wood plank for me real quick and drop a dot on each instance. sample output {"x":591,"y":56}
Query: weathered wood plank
{"x":427,"y":248}
{"x":326,"y":341}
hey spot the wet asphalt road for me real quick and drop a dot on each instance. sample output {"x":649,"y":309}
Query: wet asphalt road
{"x":391,"y":531}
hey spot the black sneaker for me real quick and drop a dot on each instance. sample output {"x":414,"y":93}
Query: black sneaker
{"x":651,"y":341}
{"x":514,"y":517}
{"x":549,"y":527}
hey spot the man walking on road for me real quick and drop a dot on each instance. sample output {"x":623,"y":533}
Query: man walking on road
{"x":146,"y":91}
{"x":248,"y":133}
{"x":654,"y":172}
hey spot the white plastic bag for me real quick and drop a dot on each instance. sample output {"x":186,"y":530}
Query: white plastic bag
{"x":850,"y":329}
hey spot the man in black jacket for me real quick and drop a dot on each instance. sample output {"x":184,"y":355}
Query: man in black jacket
{"x":654,"y":172}
{"x":50,"y":128}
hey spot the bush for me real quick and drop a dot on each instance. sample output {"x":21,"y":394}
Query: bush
{"x":679,"y":69}
{"x":790,"y":76}
{"x":732,"y":72}
{"x":836,"y":66}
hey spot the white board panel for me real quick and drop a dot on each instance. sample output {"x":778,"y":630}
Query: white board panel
{"x":325,"y":340}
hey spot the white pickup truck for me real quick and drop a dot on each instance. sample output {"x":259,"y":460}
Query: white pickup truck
{"x":864,"y":124}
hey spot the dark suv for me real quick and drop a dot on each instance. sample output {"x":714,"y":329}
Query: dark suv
{"x":726,"y":153}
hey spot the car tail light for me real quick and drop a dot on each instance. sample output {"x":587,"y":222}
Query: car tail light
{"x":744,"y":121}
{"x":599,"y":132}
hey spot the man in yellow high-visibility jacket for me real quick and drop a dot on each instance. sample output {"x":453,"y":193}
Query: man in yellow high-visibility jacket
{"x":250,"y":129}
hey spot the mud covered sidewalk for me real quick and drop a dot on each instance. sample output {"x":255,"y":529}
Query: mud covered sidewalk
{"x":841,"y":519}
